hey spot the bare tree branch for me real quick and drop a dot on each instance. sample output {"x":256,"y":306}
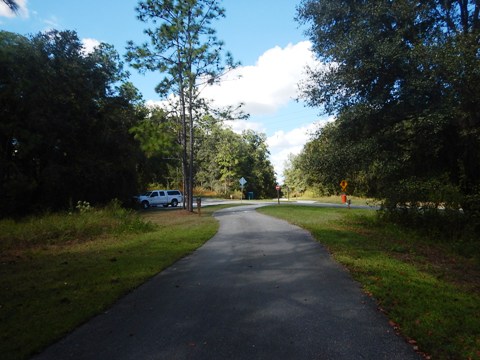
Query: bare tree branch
{"x":13,"y":5}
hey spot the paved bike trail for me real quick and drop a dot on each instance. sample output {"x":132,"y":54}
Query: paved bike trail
{"x":260,"y":289}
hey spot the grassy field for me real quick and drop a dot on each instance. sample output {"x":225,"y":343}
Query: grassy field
{"x":59,"y":270}
{"x":430,"y":294}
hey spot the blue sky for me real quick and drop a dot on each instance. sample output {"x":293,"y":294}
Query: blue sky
{"x":262,"y":35}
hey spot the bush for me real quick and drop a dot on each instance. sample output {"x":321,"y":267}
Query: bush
{"x":438,"y":210}
{"x":235,"y":195}
{"x":423,"y":194}
{"x":60,"y":228}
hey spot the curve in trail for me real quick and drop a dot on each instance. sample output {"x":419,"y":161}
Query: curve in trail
{"x":259,"y":289}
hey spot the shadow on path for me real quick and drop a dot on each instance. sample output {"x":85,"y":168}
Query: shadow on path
{"x":260,"y":289}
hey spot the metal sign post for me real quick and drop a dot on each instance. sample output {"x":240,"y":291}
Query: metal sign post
{"x":343,"y":185}
{"x":278,"y":193}
{"x":242,"y":182}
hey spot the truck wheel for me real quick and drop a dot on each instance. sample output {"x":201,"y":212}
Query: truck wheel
{"x":145,"y":204}
{"x":174,"y":202}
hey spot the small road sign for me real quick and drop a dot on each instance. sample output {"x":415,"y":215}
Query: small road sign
{"x":277,"y":187}
{"x":343,"y":184}
{"x":242,"y":182}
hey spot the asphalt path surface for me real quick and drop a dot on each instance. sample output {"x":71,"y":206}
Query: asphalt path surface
{"x":259,"y":289}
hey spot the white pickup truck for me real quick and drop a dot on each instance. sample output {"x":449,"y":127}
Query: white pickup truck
{"x":160,"y":197}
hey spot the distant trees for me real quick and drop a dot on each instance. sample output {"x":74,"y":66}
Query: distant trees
{"x":223,"y":157}
{"x":73,"y":128}
{"x":185,"y":50}
{"x":257,"y":168}
{"x":65,"y":120}
{"x":403,"y":79}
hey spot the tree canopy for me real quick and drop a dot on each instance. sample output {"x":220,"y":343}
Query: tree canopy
{"x":402,"y":78}
{"x":66,"y":116}
{"x":184,"y":48}
{"x":74,"y":129}
{"x":224,"y":157}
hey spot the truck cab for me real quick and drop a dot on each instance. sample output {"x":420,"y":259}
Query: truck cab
{"x":160,"y":197}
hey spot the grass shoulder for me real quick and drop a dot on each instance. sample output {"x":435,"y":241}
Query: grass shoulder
{"x":336,"y":199}
{"x":59,"y":270}
{"x":430,"y":294}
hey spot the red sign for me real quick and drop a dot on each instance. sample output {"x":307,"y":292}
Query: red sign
{"x":277,"y":187}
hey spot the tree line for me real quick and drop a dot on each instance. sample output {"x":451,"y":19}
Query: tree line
{"x":74,"y":128}
{"x":403,"y":80}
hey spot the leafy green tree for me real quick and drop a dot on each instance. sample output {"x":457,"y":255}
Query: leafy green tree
{"x":256,"y":166}
{"x":228,"y":157}
{"x":159,"y":139}
{"x":331,"y":157}
{"x":184,"y":48}
{"x":402,"y":78}
{"x":66,"y":116}
{"x":223,"y":157}
{"x":219,"y":154}
{"x":157,"y":134}
{"x":209,"y":136}
{"x":294,"y":178}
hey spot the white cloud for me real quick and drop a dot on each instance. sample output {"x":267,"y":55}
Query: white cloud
{"x":6,"y":12}
{"x":282,"y":144}
{"x":52,"y":23}
{"x":266,"y":87}
{"x":155,"y":103}
{"x":293,"y":138}
{"x":169,"y":105}
{"x":239,"y":126}
{"x":269,"y":84}
{"x":89,"y":45}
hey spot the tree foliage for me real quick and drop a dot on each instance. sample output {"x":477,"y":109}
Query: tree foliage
{"x":402,"y":77}
{"x":223,"y":157}
{"x":294,"y":176}
{"x":66,"y":115}
{"x":185,"y":50}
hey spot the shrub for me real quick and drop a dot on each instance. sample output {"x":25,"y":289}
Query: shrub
{"x":437,"y":209}
{"x":59,"y":228}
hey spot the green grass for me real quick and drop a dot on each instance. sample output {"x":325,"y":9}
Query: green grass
{"x":59,"y":270}
{"x":430,"y":295}
{"x":336,"y":199}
